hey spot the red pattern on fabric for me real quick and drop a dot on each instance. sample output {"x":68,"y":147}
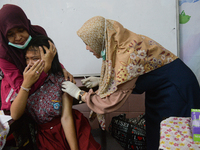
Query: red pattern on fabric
{"x":53,"y":137}
{"x":41,"y":104}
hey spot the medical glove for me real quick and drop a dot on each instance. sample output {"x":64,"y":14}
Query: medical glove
{"x":91,"y":82}
{"x":71,"y":89}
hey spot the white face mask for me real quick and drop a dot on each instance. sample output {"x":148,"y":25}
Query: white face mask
{"x":21,"y":46}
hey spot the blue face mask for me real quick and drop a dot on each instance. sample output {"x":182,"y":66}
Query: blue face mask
{"x":21,"y":46}
{"x":103,"y":54}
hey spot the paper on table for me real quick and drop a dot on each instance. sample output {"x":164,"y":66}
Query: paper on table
{"x":4,"y":118}
{"x":4,"y":128}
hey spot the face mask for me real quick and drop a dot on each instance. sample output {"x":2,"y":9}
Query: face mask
{"x":103,"y":52}
{"x":21,"y":46}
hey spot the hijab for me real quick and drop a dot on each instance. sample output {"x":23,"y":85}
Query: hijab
{"x":128,"y":55}
{"x":12,"y":16}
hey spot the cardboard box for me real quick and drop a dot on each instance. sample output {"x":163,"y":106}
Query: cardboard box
{"x":195,"y":124}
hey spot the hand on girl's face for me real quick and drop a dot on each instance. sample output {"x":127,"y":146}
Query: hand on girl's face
{"x":32,"y":72}
{"x":50,"y":53}
{"x":48,"y":56}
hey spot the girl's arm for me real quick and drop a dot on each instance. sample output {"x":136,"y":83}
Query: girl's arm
{"x":30,"y":77}
{"x":15,"y":78}
{"x":67,"y":121}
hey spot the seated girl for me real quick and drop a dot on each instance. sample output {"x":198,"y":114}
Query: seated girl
{"x":58,"y":125}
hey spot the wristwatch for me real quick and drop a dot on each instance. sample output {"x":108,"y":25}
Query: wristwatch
{"x":81,"y":93}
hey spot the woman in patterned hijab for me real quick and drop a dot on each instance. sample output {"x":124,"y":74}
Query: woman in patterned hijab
{"x":134,"y":63}
{"x":128,"y":55}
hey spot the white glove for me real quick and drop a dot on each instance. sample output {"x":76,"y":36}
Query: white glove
{"x":91,"y":82}
{"x":71,"y":89}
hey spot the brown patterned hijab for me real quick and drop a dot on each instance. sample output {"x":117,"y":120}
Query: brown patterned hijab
{"x":128,"y":55}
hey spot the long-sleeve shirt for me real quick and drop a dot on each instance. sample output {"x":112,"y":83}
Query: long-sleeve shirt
{"x":112,"y":102}
{"x":12,"y":81}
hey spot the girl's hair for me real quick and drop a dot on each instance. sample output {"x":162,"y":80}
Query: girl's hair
{"x":42,"y":40}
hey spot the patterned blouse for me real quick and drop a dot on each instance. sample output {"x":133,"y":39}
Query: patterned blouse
{"x":46,"y":103}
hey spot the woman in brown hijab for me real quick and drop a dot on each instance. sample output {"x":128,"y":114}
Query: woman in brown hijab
{"x":134,"y":63}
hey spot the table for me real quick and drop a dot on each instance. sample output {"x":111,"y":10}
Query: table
{"x":176,"y":134}
{"x":4,"y":128}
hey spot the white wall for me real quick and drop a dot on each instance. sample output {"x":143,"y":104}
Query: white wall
{"x":190,"y":35}
{"x":62,"y":18}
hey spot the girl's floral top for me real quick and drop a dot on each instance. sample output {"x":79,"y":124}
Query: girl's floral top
{"x":46,"y":103}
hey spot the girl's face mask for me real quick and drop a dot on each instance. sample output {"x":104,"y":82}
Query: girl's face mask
{"x":21,"y":46}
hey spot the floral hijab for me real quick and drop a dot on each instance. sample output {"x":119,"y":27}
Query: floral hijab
{"x":128,"y":55}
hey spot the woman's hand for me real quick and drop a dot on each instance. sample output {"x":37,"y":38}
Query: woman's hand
{"x":49,"y":56}
{"x":71,"y":89}
{"x":68,"y":76}
{"x":91,"y":82}
{"x":32,"y":74}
